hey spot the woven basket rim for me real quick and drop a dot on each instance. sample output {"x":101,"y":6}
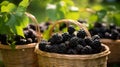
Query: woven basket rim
{"x":66,"y":56}
{"x":31,"y":45}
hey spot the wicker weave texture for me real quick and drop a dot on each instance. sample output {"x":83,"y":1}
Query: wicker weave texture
{"x":24,"y":57}
{"x":114,"y":46}
{"x":0,"y":56}
{"x":46,"y":59}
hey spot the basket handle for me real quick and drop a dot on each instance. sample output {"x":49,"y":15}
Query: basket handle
{"x":34,"y":20}
{"x":67,"y":21}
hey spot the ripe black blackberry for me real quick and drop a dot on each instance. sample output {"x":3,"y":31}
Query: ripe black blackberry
{"x":3,"y":39}
{"x":108,"y":35}
{"x":79,"y":48}
{"x":82,"y":42}
{"x":56,"y":38}
{"x":62,"y":48}
{"x":42,"y":45}
{"x":96,"y":46}
{"x":81,"y":33}
{"x":86,"y":50}
{"x":74,"y":42}
{"x":54,"y":48}
{"x":114,"y":34}
{"x":47,"y":48}
{"x":88,"y":41}
{"x":32,"y":26}
{"x":66,"y":36}
{"x":71,"y":29}
{"x":20,"y":42}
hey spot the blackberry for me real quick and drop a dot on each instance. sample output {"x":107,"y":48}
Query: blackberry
{"x":82,"y":42}
{"x":96,"y":46}
{"x":81,"y":33}
{"x":71,"y":29}
{"x":47,"y":47}
{"x":107,"y":35}
{"x":32,"y":26}
{"x":62,"y":48}
{"x":30,"y":33}
{"x":71,"y":51}
{"x":88,"y":41}
{"x":42,"y":45}
{"x":79,"y":48}
{"x":18,"y":37}
{"x":21,"y":42}
{"x":67,"y":44}
{"x":86,"y":50}
{"x":3,"y":39}
{"x":56,"y":38}
{"x":74,"y":42}
{"x":54,"y":48}
{"x":66,"y":36}
{"x":114,"y":34}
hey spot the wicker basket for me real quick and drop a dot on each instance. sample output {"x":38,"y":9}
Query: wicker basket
{"x":46,"y":59}
{"x":22,"y":55}
{"x":114,"y":46}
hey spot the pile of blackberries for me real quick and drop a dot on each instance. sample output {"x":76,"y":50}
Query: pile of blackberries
{"x":29,"y":33}
{"x":106,"y":31}
{"x":72,"y":42}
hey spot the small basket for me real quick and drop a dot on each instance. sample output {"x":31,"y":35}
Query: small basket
{"x":22,"y":55}
{"x":46,"y":59}
{"x":114,"y":46}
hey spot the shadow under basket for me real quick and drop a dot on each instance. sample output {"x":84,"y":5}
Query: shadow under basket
{"x":21,"y":56}
{"x":114,"y":46}
{"x":46,"y":59}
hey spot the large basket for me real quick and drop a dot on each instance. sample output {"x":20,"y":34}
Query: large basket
{"x":114,"y":46}
{"x":46,"y":59}
{"x":22,"y":55}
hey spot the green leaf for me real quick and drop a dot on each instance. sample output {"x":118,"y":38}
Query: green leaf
{"x":4,"y":3}
{"x":101,"y":14}
{"x":18,"y":23}
{"x":4,"y":29}
{"x":24,"y":3}
{"x":46,"y":33}
{"x":8,"y":8}
{"x":20,"y":11}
